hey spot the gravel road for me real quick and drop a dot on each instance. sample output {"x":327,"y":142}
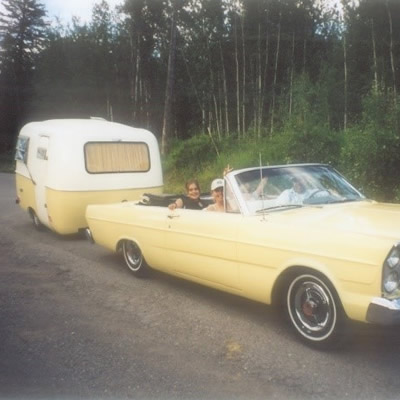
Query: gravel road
{"x":75,"y":324}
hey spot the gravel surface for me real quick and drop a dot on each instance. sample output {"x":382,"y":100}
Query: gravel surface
{"x":75,"y":324}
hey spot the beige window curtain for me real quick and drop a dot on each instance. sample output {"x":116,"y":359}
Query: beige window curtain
{"x":117,"y":157}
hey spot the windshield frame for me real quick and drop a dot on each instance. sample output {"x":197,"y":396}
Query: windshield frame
{"x":235,"y":179}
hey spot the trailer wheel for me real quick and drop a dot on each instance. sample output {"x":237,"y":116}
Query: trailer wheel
{"x":36,"y":222}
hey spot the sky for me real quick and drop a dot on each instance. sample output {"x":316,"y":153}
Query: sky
{"x":66,"y":9}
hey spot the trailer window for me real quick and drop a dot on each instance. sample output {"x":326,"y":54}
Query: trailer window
{"x":106,"y":157}
{"x":21,"y":151}
{"x":41,"y":152}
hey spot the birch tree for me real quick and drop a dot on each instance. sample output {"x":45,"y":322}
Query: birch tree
{"x":278,"y":43}
{"x":169,"y":91}
{"x":392,"y":63}
{"x":374,"y":58}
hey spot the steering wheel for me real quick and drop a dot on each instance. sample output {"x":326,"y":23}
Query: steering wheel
{"x":319,"y":191}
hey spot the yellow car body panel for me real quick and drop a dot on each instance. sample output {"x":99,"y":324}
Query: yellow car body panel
{"x":245,"y":255}
{"x":298,"y":235}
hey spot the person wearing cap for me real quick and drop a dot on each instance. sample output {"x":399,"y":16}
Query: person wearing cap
{"x":217,"y":193}
{"x":191,"y":200}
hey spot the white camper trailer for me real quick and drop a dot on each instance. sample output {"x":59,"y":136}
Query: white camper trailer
{"x":64,"y":165}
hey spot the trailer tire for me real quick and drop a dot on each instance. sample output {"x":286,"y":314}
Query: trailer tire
{"x":36,"y":222}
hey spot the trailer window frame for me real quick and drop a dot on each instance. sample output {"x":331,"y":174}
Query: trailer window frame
{"x":114,"y":162}
{"x":22,"y":149}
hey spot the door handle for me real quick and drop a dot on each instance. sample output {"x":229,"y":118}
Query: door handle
{"x":171,"y":216}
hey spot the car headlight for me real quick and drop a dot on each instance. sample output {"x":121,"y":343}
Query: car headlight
{"x":391,"y":272}
{"x":391,"y":282}
{"x":393,"y":260}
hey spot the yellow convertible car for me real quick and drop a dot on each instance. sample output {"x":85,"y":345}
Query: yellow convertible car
{"x":296,"y":235}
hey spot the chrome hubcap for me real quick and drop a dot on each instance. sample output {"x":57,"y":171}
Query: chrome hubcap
{"x":133,"y":255}
{"x":311,"y":307}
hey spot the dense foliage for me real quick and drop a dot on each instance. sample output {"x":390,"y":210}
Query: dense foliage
{"x":218,"y":81}
{"x":366,"y":155}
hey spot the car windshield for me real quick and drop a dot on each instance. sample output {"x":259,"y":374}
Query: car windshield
{"x":282,"y":188}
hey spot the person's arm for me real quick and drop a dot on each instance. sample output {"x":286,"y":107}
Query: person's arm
{"x":227,"y":169}
{"x":178,"y":203}
{"x":260,"y":188}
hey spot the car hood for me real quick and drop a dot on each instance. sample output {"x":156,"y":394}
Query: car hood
{"x":367,"y":218}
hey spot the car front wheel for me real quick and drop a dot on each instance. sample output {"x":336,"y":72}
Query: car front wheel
{"x":134,"y":258}
{"x":314,"y":310}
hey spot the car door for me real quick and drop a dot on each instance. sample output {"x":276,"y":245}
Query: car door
{"x":201,"y":245}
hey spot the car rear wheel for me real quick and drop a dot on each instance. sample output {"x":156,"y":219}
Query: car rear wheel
{"x":134,"y":258}
{"x":314,"y":310}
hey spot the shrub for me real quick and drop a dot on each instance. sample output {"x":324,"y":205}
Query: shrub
{"x":371,"y":151}
{"x":368,"y":153}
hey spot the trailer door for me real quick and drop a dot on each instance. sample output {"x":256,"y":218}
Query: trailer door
{"x":41,"y":166}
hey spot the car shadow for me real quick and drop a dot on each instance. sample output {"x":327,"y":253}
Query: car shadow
{"x":370,"y":343}
{"x":27,"y":227}
{"x":370,"y":338}
{"x":362,"y":339}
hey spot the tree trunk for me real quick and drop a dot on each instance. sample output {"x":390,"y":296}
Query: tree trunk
{"x":213,"y":89}
{"x":225,"y":91}
{"x":237,"y":80}
{"x":220,"y":107}
{"x":217,"y":119}
{"x":259,"y":85}
{"x":275,"y":74}
{"x":132,"y":82}
{"x":137,"y":78}
{"x":147,"y":105}
{"x":291,"y":78}
{"x":243,"y":79}
{"x":200,"y":104}
{"x":391,"y":53}
{"x":345,"y":81}
{"x":170,"y":85}
{"x":110,"y":115}
{"x":375,"y":86}
{"x":264,"y":78}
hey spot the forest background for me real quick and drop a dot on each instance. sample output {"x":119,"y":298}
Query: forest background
{"x":218,"y":81}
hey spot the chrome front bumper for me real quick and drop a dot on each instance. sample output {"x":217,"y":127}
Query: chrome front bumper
{"x":384,"y":311}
